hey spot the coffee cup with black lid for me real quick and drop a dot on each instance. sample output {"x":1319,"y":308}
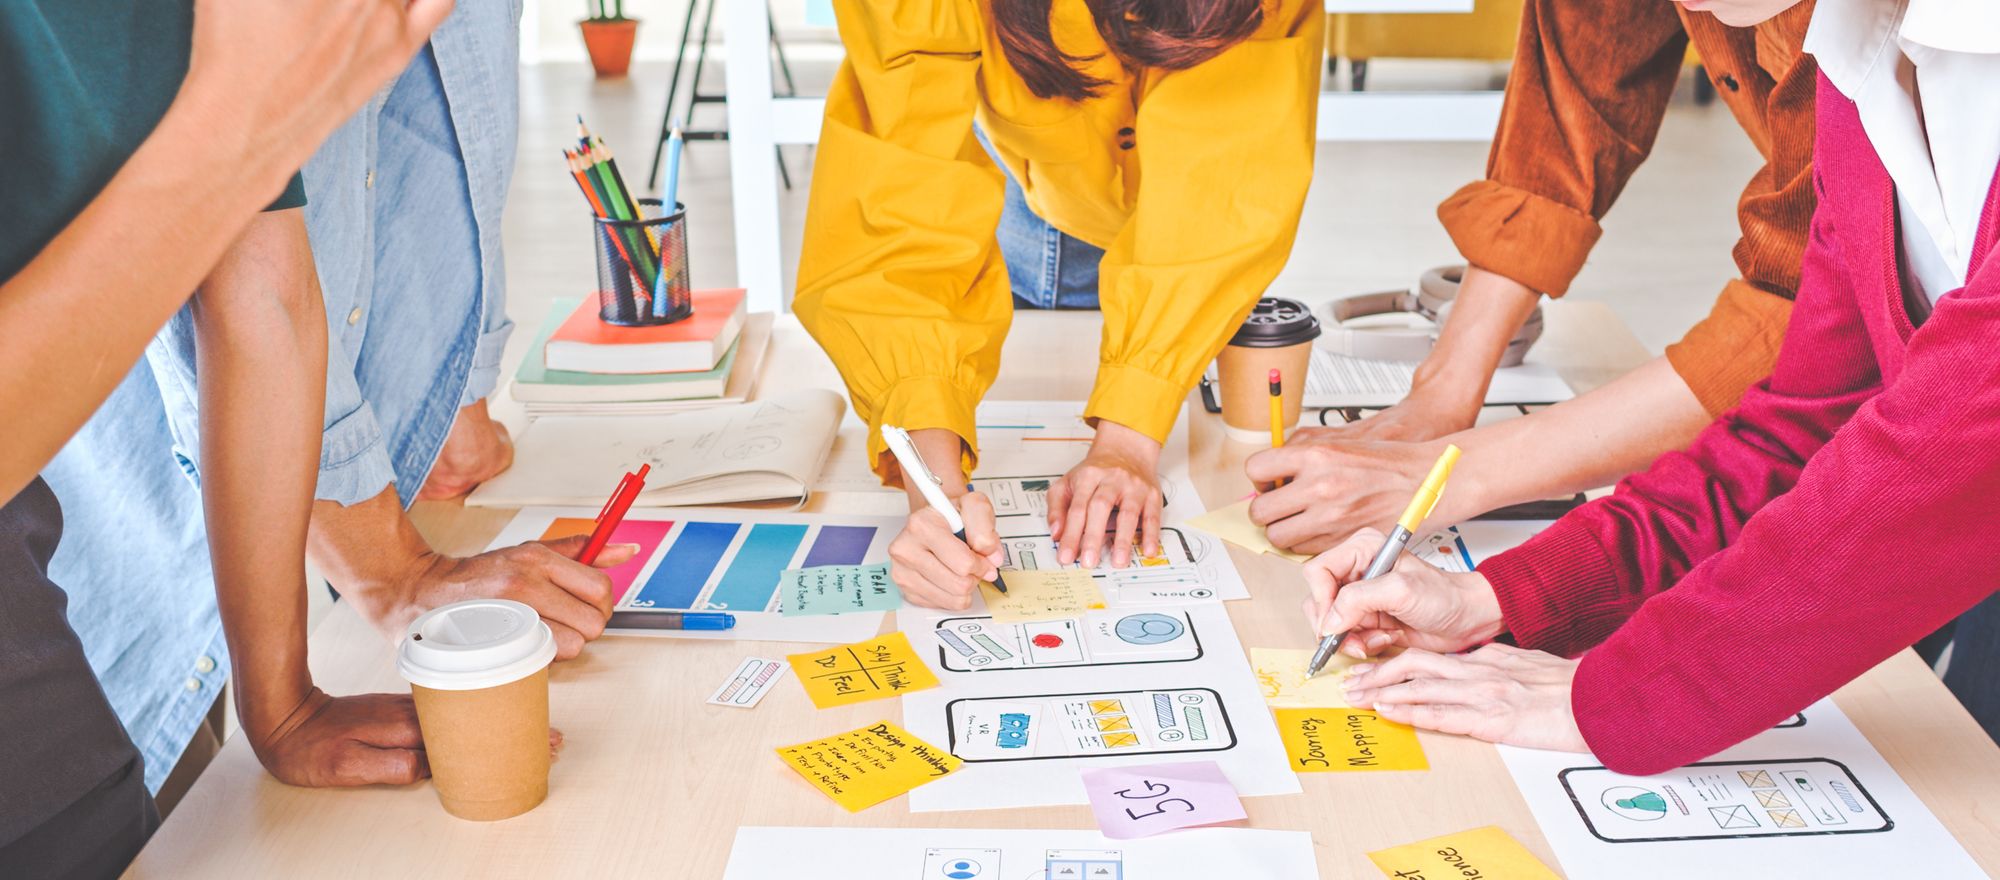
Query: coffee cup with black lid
{"x":479,"y":672}
{"x":1278,"y":335}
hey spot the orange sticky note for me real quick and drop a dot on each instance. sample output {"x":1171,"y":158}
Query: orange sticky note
{"x":1331,"y":740}
{"x":1482,"y":852}
{"x":867,"y":670}
{"x":862,"y":768}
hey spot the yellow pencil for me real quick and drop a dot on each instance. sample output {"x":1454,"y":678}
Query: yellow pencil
{"x":1277,"y":380}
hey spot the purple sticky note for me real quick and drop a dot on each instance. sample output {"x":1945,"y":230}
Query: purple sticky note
{"x":1149,"y":799}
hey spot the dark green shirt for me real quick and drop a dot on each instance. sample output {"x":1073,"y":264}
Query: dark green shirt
{"x":82,"y":83}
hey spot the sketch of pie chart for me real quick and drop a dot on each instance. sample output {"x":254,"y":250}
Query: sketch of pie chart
{"x":1149,"y":629}
{"x":1635,"y":803}
{"x":961,"y":869}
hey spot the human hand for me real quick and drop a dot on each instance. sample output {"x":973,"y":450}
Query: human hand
{"x":1499,"y":693}
{"x":275,"y":79}
{"x":1333,"y":488}
{"x":1116,"y":486}
{"x":932,"y":566}
{"x":477,"y":449}
{"x":1416,"y":604}
{"x":341,"y":741}
{"x":574,"y":599}
{"x":1417,"y":417}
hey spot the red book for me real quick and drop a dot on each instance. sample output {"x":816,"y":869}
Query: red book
{"x":585,"y":344}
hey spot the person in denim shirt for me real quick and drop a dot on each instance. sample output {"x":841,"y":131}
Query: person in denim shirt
{"x":403,"y":211}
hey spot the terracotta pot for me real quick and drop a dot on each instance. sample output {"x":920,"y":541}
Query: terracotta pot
{"x":610,"y":44}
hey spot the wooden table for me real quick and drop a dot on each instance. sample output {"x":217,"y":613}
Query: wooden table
{"x":654,"y":782}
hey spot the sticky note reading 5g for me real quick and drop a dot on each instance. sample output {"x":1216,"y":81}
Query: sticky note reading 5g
{"x":1347,"y":740}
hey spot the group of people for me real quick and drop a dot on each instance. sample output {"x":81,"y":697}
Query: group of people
{"x":251,"y":305}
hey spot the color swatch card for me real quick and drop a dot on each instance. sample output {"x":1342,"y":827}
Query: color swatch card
{"x":1233,"y":524}
{"x":862,"y":768}
{"x":1347,"y":740}
{"x":1281,"y":672}
{"x":1042,"y":594}
{"x":837,"y":589}
{"x":1155,"y":798}
{"x":1482,"y":852}
{"x":747,"y":686}
{"x":866,"y":670}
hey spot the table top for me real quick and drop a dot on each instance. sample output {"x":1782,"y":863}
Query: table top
{"x":652,"y":778}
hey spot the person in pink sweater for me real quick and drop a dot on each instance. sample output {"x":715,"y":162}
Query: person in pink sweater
{"x":1846,"y":508}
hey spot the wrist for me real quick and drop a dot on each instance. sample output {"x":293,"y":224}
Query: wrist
{"x":1116,"y":438}
{"x":1482,"y":606}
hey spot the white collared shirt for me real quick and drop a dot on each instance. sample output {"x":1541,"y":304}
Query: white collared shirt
{"x":1932,"y":114}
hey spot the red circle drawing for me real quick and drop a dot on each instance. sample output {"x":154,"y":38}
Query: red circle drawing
{"x":1048,"y":640}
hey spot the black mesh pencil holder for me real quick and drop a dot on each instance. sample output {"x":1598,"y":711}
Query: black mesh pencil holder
{"x":642,"y":267}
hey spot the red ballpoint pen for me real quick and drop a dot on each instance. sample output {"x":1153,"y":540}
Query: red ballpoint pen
{"x":613,"y":513}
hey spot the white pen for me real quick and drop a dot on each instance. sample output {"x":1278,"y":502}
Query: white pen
{"x":928,"y":483}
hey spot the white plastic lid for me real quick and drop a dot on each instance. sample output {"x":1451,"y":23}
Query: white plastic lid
{"x":479,"y":643}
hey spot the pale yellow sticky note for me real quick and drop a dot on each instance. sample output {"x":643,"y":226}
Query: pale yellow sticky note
{"x":1281,"y":672}
{"x":1482,"y":852}
{"x":1042,"y":594}
{"x":885,"y":666}
{"x":1233,"y":524}
{"x":862,"y":768}
{"x":1328,"y":740}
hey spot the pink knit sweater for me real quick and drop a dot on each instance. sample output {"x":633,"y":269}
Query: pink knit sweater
{"x":1847,"y":507}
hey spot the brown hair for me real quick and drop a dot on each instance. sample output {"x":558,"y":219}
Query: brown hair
{"x":1167,"y":34}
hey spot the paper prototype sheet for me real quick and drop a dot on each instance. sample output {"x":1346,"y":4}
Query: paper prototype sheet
{"x":714,"y":559}
{"x":764,"y":853}
{"x":1488,"y":852}
{"x":763,"y":449}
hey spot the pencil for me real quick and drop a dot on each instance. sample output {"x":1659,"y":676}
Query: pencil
{"x":590,"y":193}
{"x":1277,"y":380}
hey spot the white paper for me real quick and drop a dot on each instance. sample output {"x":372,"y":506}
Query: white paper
{"x":1337,"y":380}
{"x":764,"y":449}
{"x":1016,"y":438}
{"x":1809,"y":798}
{"x":1027,"y":705}
{"x":746,"y":686}
{"x":771,"y":853}
{"x":733,"y":581}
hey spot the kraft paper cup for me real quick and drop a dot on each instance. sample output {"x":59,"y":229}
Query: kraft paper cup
{"x":479,"y":671}
{"x":1277,"y":335}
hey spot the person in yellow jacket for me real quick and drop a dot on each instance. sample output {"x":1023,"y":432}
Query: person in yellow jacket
{"x":1153,"y":157}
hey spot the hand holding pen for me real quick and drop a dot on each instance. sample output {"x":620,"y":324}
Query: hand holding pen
{"x":949,"y":545}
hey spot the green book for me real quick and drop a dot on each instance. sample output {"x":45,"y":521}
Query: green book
{"x":536,"y":383}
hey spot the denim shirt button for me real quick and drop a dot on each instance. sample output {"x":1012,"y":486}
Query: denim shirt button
{"x":205,"y":665}
{"x":369,"y":181}
{"x":354,"y":316}
{"x":193,"y":685}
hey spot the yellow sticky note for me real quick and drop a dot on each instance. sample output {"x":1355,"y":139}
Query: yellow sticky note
{"x":1042,"y":594}
{"x":1233,"y":524}
{"x":862,"y":768}
{"x":868,"y":670}
{"x":1281,"y":673}
{"x":1482,"y":852}
{"x":1331,"y":740}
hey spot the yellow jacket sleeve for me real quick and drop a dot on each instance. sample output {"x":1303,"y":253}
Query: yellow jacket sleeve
{"x":900,"y":277}
{"x":1226,"y":151}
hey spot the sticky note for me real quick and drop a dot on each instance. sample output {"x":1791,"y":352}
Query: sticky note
{"x":1233,"y":524}
{"x":1325,"y":740}
{"x":747,"y":686}
{"x":1042,"y":594}
{"x":833,"y":589}
{"x":862,"y":768}
{"x":1482,"y":852}
{"x":867,"y":670}
{"x":1281,"y":674}
{"x":1146,"y":800}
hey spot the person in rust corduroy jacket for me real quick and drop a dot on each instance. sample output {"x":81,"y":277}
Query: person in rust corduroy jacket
{"x":1589,"y":88}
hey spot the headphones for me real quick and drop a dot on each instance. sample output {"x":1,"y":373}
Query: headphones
{"x":1431,"y":299}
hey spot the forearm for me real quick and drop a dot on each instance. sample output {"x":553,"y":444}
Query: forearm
{"x":76,"y":318}
{"x":943,"y":452}
{"x":1585,"y":443}
{"x":1487,"y":312}
{"x":261,"y":344}
{"x":369,"y":551}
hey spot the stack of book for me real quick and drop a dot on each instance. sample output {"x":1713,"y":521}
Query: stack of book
{"x":580,"y":365}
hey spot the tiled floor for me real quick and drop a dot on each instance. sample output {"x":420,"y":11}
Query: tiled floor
{"x":1368,"y":224}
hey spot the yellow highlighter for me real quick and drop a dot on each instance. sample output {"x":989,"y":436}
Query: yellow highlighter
{"x":1406,"y":528}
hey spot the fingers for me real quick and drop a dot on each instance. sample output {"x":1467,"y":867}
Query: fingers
{"x":1442,"y":717}
{"x":361,"y":764}
{"x":614,"y":555}
{"x":1363,"y":681}
{"x":1126,"y":531}
{"x":582,"y":599}
{"x":1075,"y":512}
{"x":1057,"y":500}
{"x":1271,"y":465}
{"x":1280,"y":503}
{"x":421,"y":17}
{"x":981,"y":536}
{"x":569,"y":642}
{"x":1149,"y":525}
{"x":1097,"y":518}
{"x":931,"y":566}
{"x":570,"y":547}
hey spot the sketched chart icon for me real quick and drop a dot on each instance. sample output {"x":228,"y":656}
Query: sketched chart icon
{"x":1733,"y":816}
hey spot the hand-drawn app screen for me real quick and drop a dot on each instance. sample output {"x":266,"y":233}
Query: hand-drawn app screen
{"x":1084,"y":725}
{"x":1804,"y":796}
{"x":1085,"y":864}
{"x":961,"y":864}
{"x":1099,"y":638}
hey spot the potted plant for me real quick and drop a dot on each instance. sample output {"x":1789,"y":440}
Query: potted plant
{"x":608,"y":34}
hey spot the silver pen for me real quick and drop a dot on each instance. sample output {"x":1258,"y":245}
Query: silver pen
{"x":1385,"y":560}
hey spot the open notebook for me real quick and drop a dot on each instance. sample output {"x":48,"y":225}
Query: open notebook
{"x":769,"y":449}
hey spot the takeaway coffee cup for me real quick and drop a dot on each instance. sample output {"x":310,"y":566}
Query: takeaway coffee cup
{"x":479,"y":671}
{"x":1277,"y":335}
